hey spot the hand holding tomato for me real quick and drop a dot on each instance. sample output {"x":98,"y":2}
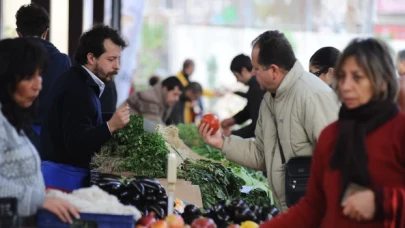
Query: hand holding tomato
{"x":208,"y":130}
{"x":212,"y":121}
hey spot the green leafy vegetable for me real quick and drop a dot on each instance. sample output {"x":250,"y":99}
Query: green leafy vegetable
{"x":131,"y":149}
{"x":190,"y":136}
{"x":257,"y":197}
{"x":216,"y":182}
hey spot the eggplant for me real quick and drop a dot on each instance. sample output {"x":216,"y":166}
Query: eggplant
{"x":218,"y":207}
{"x":150,"y":192}
{"x":162,"y":203}
{"x":162,"y":197}
{"x":149,"y":185}
{"x":138,"y":187}
{"x":274,"y":211}
{"x":192,"y":210}
{"x":160,"y":214}
{"x":189,"y":219}
{"x":266,"y":214}
{"x":151,"y":198}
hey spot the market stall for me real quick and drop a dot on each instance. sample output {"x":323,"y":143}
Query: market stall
{"x":135,"y":171}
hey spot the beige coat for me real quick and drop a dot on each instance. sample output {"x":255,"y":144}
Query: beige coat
{"x":151,"y":104}
{"x":303,"y":106}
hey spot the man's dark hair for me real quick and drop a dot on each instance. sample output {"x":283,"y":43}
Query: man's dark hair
{"x":194,"y":87}
{"x":401,"y":55}
{"x":274,"y":49}
{"x":187,"y":63}
{"x":92,"y":41}
{"x":171,"y":83}
{"x":153,"y":80}
{"x":325,"y":58}
{"x":20,"y":58}
{"x":32,"y":20}
{"x":241,"y":61}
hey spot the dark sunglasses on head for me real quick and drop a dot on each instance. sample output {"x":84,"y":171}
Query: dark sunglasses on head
{"x":321,"y":71}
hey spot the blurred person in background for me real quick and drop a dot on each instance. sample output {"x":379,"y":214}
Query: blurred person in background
{"x":32,"y":22}
{"x":295,"y":109}
{"x":184,"y":76}
{"x":241,"y":67}
{"x":181,"y":112}
{"x":357,"y":174}
{"x":322,"y":63}
{"x":401,"y":73}
{"x":153,"y":80}
{"x":22,"y":64}
{"x":156,"y":103}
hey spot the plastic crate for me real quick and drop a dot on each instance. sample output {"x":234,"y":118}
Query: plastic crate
{"x":48,"y":220}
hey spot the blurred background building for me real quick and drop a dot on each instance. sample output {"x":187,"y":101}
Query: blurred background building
{"x":163,"y":33}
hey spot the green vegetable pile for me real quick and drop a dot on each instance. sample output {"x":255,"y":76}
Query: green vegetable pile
{"x":131,"y":149}
{"x":258,"y":197}
{"x":215,"y":181}
{"x":190,"y":136}
{"x":260,"y":188}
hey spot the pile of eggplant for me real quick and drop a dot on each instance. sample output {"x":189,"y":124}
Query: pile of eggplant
{"x":146,"y":194}
{"x":225,"y":213}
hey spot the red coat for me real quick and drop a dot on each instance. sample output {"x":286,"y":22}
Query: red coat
{"x":320,"y":207}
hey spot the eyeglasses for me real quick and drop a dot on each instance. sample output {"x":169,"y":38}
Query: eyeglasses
{"x":321,"y":71}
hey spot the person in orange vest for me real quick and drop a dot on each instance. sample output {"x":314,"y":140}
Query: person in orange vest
{"x":184,"y":76}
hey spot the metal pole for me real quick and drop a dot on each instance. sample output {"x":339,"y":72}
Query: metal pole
{"x":116,"y":14}
{"x":1,"y":19}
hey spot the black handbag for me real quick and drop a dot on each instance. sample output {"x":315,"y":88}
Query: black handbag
{"x":297,"y":172}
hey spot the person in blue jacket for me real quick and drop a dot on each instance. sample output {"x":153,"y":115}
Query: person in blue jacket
{"x":33,"y":23}
{"x":73,"y":129}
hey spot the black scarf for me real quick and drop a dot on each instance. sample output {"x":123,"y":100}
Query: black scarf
{"x":350,"y":156}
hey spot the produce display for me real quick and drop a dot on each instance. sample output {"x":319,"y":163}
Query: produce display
{"x":234,"y":214}
{"x":131,"y":149}
{"x":95,"y":200}
{"x":212,"y":121}
{"x":260,"y":188}
{"x":146,"y":194}
{"x":226,"y":213}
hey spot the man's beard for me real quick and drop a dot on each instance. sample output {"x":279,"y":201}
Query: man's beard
{"x":104,"y":77}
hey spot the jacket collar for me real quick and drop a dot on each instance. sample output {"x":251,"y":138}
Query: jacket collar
{"x":87,"y":79}
{"x":289,"y":80}
{"x":99,"y":83}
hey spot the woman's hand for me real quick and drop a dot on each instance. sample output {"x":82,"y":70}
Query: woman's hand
{"x":62,"y":209}
{"x":360,"y":206}
{"x":216,"y":140}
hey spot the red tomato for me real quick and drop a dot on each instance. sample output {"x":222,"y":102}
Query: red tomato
{"x":212,"y":121}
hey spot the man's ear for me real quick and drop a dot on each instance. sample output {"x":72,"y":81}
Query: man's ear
{"x":45,"y":34}
{"x":18,"y":33}
{"x":91,"y":59}
{"x":275,"y":69}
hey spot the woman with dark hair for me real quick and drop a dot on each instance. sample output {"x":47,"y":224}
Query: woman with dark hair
{"x":323,"y":62}
{"x":22,"y":63}
{"x":357,"y":175}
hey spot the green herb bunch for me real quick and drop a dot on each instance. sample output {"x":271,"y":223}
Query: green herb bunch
{"x":131,"y":149}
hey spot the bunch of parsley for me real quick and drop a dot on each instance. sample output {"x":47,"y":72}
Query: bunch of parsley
{"x":141,"y":152}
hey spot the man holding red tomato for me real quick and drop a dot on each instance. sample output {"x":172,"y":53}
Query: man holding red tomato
{"x":295,"y":109}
